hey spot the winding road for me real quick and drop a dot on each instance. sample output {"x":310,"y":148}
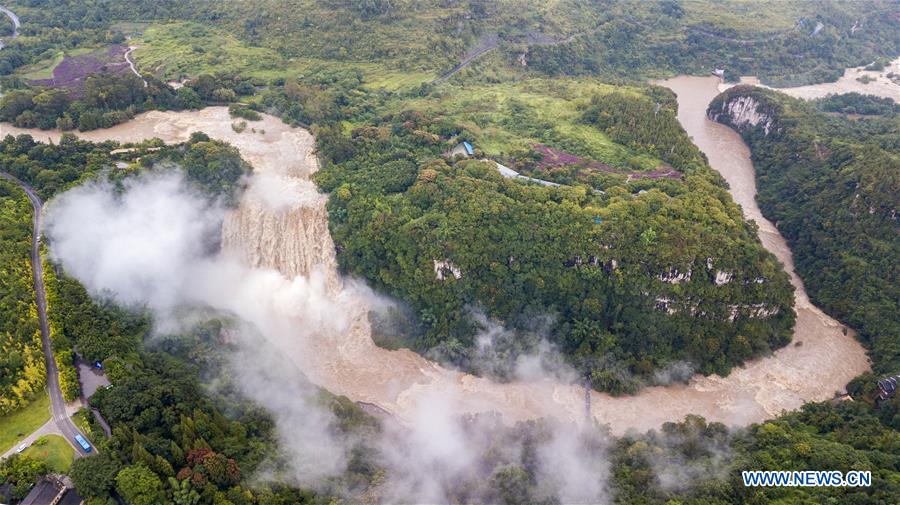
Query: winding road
{"x":15,"y":21}
{"x":131,"y":64}
{"x":485,"y":44}
{"x":491,"y":41}
{"x":60,"y":415}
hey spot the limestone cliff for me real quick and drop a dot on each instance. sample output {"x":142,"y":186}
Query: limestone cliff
{"x":744,"y":108}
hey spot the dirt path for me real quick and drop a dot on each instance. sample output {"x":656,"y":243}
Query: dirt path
{"x":131,"y":64}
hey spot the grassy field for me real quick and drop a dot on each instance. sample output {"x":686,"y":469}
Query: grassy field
{"x":510,"y":116}
{"x":43,"y":69}
{"x":54,"y":450}
{"x":17,"y":425}
{"x":184,"y":49}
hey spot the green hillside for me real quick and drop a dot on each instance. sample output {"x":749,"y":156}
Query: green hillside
{"x":425,"y":38}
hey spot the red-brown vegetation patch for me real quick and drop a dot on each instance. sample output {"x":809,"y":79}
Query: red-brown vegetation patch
{"x":73,"y":70}
{"x":553,"y":158}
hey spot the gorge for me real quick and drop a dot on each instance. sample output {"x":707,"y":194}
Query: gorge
{"x":281,"y":225}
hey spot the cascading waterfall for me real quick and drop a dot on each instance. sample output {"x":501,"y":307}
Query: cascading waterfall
{"x":287,"y":231}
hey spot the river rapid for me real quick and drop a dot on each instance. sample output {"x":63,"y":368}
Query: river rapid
{"x":281,"y":224}
{"x":879,"y":84}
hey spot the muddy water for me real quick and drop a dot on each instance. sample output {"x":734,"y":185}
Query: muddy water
{"x":821,"y":337}
{"x":281,"y":224}
{"x":880,"y":84}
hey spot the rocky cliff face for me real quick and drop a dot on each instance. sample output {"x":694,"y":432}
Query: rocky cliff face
{"x":742,"y":112}
{"x":746,"y":109}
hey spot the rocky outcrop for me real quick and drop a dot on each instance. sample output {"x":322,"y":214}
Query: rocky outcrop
{"x":745,"y":108}
{"x":446,"y":268}
{"x":674,"y":276}
{"x":744,"y":111}
{"x":723,"y":278}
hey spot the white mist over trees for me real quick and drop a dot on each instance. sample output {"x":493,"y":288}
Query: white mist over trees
{"x":148,"y":244}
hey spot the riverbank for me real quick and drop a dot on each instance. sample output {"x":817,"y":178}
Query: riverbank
{"x":875,"y":82}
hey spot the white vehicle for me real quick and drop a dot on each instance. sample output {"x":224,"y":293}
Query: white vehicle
{"x":21,"y":448}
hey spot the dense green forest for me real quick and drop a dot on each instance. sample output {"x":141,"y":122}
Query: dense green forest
{"x":661,"y":35}
{"x":214,"y":167}
{"x":22,"y":372}
{"x":402,"y":42}
{"x":694,"y":462}
{"x":635,"y":278}
{"x":109,"y":99}
{"x":831,"y":183}
{"x":171,"y":441}
{"x":855,"y":103}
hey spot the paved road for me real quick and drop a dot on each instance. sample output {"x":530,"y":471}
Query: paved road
{"x":486,"y":43}
{"x":15,"y":19}
{"x":49,"y":428}
{"x":57,"y":405}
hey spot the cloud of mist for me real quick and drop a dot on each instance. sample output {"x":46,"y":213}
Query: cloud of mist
{"x":441,"y":457}
{"x":691,"y":452}
{"x":153,"y":243}
{"x":677,"y":372}
{"x":138,"y":247}
{"x":307,"y":436}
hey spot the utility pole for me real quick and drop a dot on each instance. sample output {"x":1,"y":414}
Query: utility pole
{"x":587,"y":398}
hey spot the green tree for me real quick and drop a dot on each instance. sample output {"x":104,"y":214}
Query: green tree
{"x":95,"y":477}
{"x":22,"y":473}
{"x":138,"y":485}
{"x":183,"y":493}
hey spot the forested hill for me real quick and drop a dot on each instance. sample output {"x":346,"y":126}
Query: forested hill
{"x":425,"y":38}
{"x":626,"y":277}
{"x":831,"y":183}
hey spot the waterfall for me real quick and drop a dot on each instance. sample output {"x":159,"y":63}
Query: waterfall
{"x":282,"y":224}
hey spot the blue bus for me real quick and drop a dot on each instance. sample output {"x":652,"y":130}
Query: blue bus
{"x":83,"y":443}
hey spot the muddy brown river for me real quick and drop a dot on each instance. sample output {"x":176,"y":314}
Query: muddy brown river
{"x":281,"y":225}
{"x":874,"y":82}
